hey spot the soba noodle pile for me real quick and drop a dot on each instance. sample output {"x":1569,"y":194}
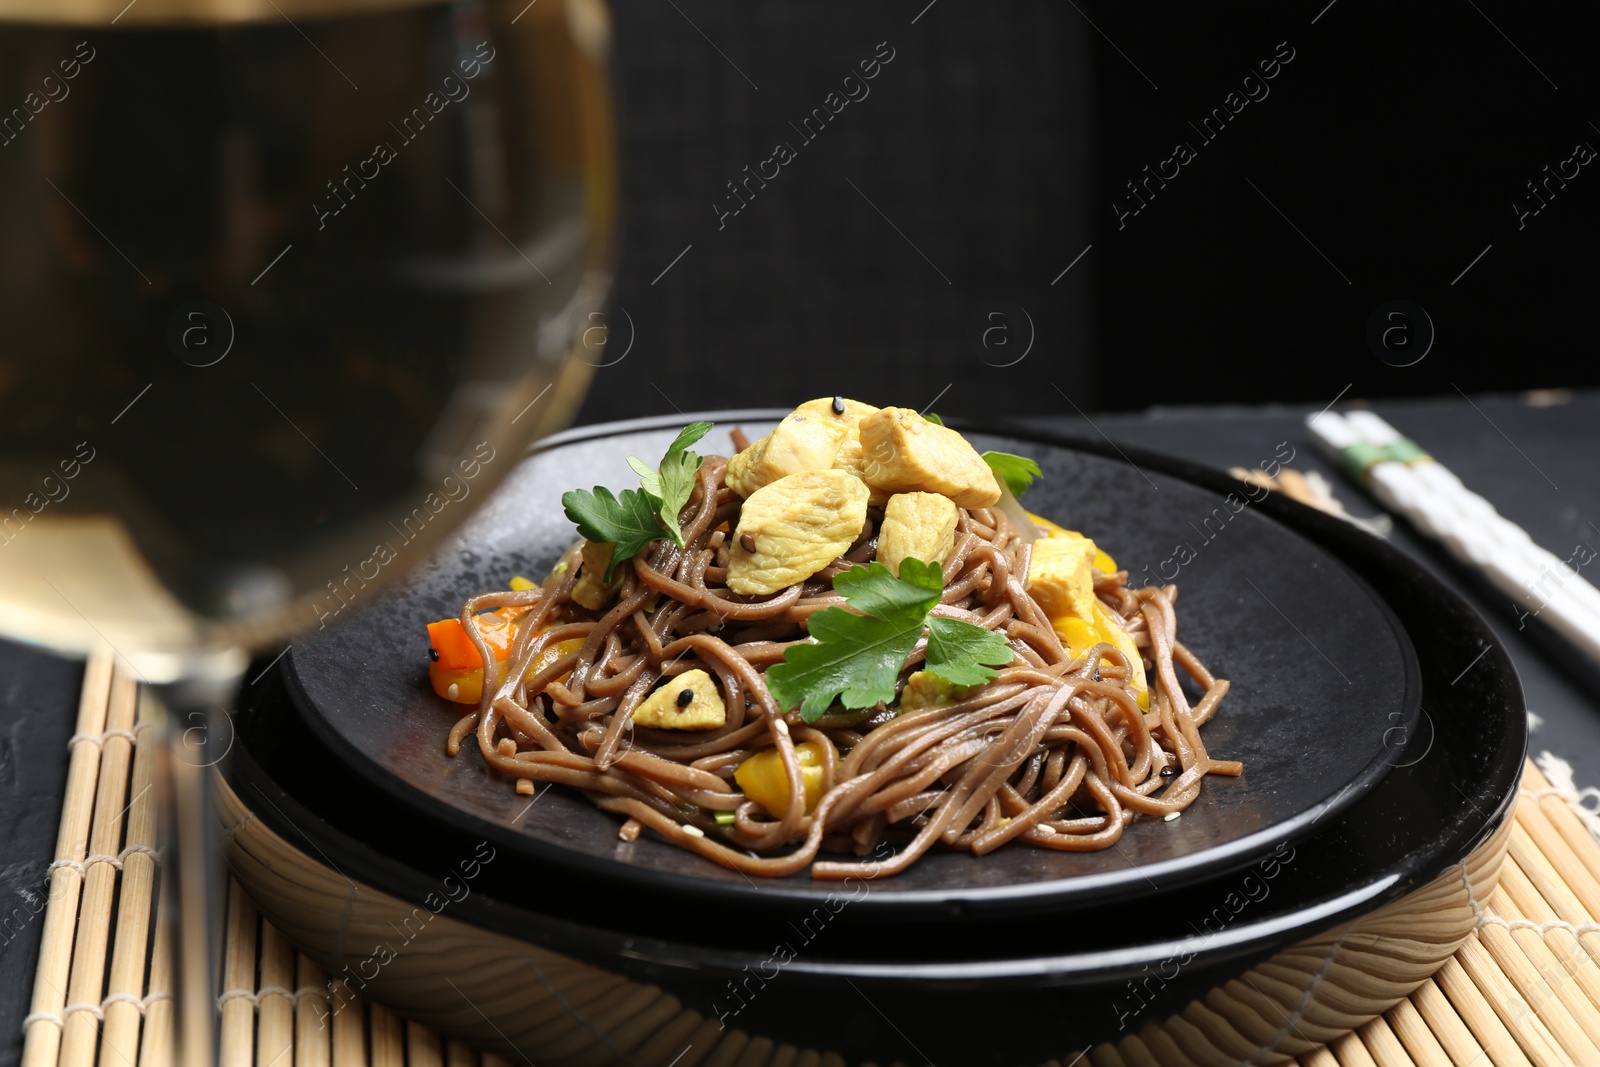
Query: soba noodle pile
{"x":1053,"y":753}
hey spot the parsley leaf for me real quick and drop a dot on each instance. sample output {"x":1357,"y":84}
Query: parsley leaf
{"x":677,"y":473}
{"x":965,"y":654}
{"x":933,"y":417}
{"x":1017,"y":472}
{"x":673,"y":480}
{"x":874,"y":590}
{"x":688,"y":436}
{"x":628,"y":522}
{"x":856,"y":658}
{"x":636,"y":517}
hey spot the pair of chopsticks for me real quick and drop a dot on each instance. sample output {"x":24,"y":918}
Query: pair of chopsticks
{"x":1407,"y":480}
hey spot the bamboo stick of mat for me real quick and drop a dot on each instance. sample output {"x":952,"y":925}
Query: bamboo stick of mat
{"x":1568,"y":908}
{"x":1459,"y":1014}
{"x":1572,"y":852}
{"x":310,"y":1014}
{"x":275,"y":1000}
{"x":423,"y":1048}
{"x":1321,"y":1057}
{"x":1420,"y":1042}
{"x":1385,"y":1048}
{"x":1351,"y":1052}
{"x":1558,"y":810}
{"x":457,"y":1054}
{"x":42,"y":1043}
{"x":349,"y":1031}
{"x":388,"y":1037}
{"x":1562,"y":860}
{"x":86,"y":985}
{"x":1444,"y":1023}
{"x":239,"y":997}
{"x":124,"y":1005}
{"x":157,"y":1047}
{"x":1551,"y":992}
{"x":1526,"y":902}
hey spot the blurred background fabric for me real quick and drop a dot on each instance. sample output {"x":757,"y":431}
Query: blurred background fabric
{"x":1424,"y":161}
{"x":962,"y":177}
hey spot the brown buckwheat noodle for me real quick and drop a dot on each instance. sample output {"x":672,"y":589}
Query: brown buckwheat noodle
{"x":1054,"y":752}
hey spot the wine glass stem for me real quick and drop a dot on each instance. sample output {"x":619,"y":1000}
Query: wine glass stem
{"x":194,"y":735}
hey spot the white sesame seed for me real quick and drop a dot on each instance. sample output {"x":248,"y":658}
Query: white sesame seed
{"x":1045,"y":830}
{"x":1171,"y":815}
{"x":455,"y":690}
{"x":781,"y":726}
{"x":693,"y":831}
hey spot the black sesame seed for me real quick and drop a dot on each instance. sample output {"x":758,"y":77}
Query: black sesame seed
{"x":838,"y":405}
{"x":685,"y":697}
{"x":433,"y":654}
{"x":747,"y":542}
{"x":1169,"y":772}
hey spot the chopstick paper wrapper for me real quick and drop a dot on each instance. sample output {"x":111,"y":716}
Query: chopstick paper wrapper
{"x":1409,"y":481}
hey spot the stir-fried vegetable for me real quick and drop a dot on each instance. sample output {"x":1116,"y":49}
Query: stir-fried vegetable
{"x":456,"y":668}
{"x":763,"y":781}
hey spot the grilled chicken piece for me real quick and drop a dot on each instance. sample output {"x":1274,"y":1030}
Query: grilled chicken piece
{"x":847,"y":413}
{"x":803,"y":441}
{"x":905,"y":453}
{"x":791,"y":528}
{"x":917,"y":526}
{"x":687,"y":701}
{"x":1060,"y":577}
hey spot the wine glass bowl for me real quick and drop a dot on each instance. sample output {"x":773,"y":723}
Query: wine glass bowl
{"x":287,"y":289}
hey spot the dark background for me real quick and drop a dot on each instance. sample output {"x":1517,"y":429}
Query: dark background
{"x":1382,"y":162}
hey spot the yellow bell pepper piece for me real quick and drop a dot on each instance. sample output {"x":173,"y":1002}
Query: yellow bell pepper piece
{"x":520,"y":584}
{"x":1079,"y":637}
{"x":1111,"y":627}
{"x":763,"y":781}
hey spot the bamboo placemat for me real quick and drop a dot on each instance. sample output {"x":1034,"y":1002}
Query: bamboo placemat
{"x":1522,"y":991}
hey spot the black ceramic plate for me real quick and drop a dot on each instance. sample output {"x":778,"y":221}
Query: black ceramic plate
{"x":1323,"y":681}
{"x":1055,"y":983}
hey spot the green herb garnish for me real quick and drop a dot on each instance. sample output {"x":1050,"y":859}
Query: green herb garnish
{"x":856,"y":655}
{"x":627,"y":522}
{"x":1017,"y":472}
{"x":962,"y":653}
{"x":635,"y":517}
{"x":673,"y":479}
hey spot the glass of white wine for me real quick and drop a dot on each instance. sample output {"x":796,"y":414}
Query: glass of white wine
{"x":286,"y":287}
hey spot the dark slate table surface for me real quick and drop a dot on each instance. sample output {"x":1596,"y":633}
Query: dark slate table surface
{"x":1533,"y":458}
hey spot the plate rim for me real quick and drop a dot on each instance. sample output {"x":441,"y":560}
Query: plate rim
{"x":1495,"y":782}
